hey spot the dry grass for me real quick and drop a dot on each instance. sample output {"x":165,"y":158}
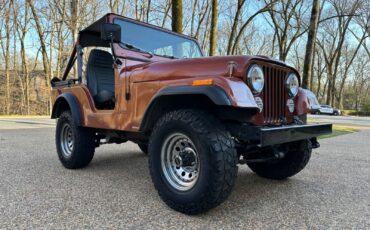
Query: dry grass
{"x":339,"y":130}
{"x":24,"y":116}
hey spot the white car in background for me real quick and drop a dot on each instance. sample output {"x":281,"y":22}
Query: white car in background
{"x":317,"y":109}
{"x":326,"y":109}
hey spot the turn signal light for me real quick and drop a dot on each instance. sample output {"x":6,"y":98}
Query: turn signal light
{"x":203,"y":82}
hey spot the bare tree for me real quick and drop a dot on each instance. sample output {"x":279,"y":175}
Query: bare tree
{"x":234,"y":40}
{"x":332,"y":40}
{"x":177,"y":16}
{"x":286,"y":20}
{"x":22,"y":30}
{"x":117,"y":6}
{"x":213,"y":36}
{"x":6,"y":53}
{"x":42,"y":39}
{"x":310,"y":45}
{"x":339,"y":60}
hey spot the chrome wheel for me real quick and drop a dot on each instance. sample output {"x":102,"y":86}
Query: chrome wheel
{"x":66,"y":140}
{"x":180,"y":162}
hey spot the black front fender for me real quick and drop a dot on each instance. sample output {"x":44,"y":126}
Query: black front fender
{"x":214,"y":93}
{"x":67,"y":101}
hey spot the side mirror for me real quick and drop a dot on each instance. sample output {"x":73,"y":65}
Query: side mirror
{"x":111,"y":32}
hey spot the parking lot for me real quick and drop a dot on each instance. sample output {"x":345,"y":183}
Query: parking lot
{"x":115,"y":190}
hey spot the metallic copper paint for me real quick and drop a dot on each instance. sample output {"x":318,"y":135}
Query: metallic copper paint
{"x":146,"y":79}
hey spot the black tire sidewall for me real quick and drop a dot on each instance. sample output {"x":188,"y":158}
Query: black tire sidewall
{"x":83,"y":147}
{"x":289,"y":166}
{"x":64,"y":118}
{"x":203,"y":150}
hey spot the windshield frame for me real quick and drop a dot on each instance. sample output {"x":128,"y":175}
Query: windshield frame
{"x":160,"y":29}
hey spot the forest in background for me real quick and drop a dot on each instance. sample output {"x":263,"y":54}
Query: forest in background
{"x":327,"y":41}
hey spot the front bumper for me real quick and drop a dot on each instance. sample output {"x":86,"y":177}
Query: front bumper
{"x":267,"y":136}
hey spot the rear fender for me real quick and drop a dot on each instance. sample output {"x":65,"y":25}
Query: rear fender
{"x":67,"y":101}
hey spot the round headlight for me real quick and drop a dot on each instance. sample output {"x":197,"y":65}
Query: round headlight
{"x":256,"y":78}
{"x":292,"y":84}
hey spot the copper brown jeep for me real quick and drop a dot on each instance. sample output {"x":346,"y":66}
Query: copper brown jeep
{"x":196,"y":117}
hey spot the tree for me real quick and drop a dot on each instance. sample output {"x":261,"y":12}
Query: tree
{"x":22,"y":29}
{"x":310,"y":45}
{"x":36,"y":38}
{"x":213,"y":36}
{"x":332,"y":39}
{"x":6,"y":53}
{"x":286,"y":20}
{"x":177,"y":16}
{"x":42,"y":39}
{"x":235,"y":34}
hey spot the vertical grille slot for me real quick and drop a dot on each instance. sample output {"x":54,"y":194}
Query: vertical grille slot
{"x":274,"y":95}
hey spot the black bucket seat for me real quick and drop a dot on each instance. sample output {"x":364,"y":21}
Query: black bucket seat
{"x":100,"y":77}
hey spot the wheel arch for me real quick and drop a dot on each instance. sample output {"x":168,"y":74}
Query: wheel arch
{"x":67,"y":101}
{"x":211,"y":98}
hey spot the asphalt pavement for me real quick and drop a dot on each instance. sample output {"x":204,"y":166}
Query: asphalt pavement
{"x":115,"y":190}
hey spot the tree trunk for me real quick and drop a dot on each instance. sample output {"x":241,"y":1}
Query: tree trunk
{"x":308,"y":60}
{"x":177,"y":16}
{"x":234,"y":26}
{"x":167,"y":9}
{"x":7,"y":57}
{"x":40,"y":32}
{"x":74,"y":27}
{"x":312,"y":68}
{"x":213,"y":36}
{"x":148,"y":11}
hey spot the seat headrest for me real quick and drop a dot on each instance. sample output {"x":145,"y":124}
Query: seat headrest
{"x":100,"y":58}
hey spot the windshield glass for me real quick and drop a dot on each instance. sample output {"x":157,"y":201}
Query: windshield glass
{"x":157,"y":42}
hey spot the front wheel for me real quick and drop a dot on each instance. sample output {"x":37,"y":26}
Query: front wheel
{"x":296,"y":158}
{"x":75,"y":145}
{"x":192,"y":161}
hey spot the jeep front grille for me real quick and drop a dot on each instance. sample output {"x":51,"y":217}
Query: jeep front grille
{"x":274,"y":94}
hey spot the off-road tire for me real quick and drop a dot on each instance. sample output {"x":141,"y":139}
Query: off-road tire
{"x":143,"y":148}
{"x":83,"y":146}
{"x":293,"y":162}
{"x":218,"y":160}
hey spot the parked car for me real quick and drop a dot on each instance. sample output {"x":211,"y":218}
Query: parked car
{"x":326,"y":109}
{"x":196,"y":117}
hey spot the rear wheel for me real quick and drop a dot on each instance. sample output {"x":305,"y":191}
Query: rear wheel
{"x":192,"y":161}
{"x":295,"y":159}
{"x":75,"y":145}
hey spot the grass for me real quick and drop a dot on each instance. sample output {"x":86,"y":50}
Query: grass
{"x":348,"y":111}
{"x":24,"y":116}
{"x":339,"y":130}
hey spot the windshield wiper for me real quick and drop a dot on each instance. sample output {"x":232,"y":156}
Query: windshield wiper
{"x":132,"y":47}
{"x":167,"y":56}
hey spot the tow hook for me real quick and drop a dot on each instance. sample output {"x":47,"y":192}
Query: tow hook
{"x":253,"y":158}
{"x":278,"y":154}
{"x":315,"y":144}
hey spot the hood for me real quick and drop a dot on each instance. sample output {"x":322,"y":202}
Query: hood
{"x":194,"y":67}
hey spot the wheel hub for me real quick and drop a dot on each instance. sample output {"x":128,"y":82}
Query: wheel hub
{"x":66,"y":140}
{"x":180,"y":161}
{"x":188,"y":159}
